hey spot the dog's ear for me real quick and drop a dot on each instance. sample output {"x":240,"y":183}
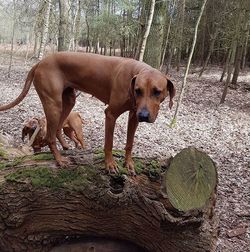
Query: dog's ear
{"x":132,"y":90}
{"x":171,"y":90}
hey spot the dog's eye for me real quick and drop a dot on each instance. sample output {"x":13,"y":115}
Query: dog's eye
{"x":156,"y":92}
{"x":138,"y":92}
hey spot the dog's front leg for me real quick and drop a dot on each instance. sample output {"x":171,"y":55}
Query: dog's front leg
{"x":132,"y":126}
{"x":110,"y":120}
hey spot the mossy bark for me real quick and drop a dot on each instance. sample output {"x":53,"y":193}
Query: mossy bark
{"x":42,"y":206}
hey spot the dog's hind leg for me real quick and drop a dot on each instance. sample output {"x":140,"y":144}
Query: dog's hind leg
{"x":50,"y":93}
{"x":68,"y":102}
{"x":53,"y":111}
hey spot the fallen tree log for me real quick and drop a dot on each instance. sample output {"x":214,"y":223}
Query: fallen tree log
{"x":168,"y":206}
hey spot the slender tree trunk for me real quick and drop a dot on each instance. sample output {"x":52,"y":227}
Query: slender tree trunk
{"x":75,"y":28}
{"x":225,"y":65}
{"x":29,"y":38}
{"x":145,"y":36}
{"x":202,"y":50}
{"x":181,"y":26}
{"x":238,"y":59}
{"x":153,"y":50}
{"x":45,"y":30}
{"x":188,"y":64}
{"x":211,"y":48}
{"x":229,"y":71}
{"x":63,"y":37}
{"x":167,"y":37}
{"x":243,"y":64}
{"x":110,"y":48}
{"x":169,"y":60}
{"x":12,"y":37}
{"x":38,"y":27}
{"x":141,"y":29}
{"x":88,"y":30}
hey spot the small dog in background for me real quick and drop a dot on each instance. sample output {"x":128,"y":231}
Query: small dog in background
{"x":36,"y":129}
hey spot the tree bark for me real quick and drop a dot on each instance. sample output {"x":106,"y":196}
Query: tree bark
{"x":63,"y":36}
{"x":45,"y":29}
{"x":165,"y":43}
{"x":229,"y":71}
{"x":210,"y":51}
{"x":12,"y":37}
{"x":153,"y":50}
{"x":147,"y":30}
{"x":243,"y":64}
{"x":75,"y":30}
{"x":88,"y":31}
{"x":228,"y":53}
{"x":237,"y":63}
{"x":180,"y":34}
{"x":42,"y":207}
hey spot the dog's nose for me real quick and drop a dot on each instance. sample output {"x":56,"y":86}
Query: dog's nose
{"x":143,"y":115}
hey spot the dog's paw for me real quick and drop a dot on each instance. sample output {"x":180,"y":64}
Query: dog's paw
{"x":111,"y":166}
{"x":63,"y":162}
{"x":129,"y":164}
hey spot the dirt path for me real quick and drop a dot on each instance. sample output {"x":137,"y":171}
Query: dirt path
{"x":223,"y":131}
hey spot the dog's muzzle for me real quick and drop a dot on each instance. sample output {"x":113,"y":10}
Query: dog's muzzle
{"x":143,"y":115}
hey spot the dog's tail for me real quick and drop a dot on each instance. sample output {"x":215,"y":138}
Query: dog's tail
{"x":24,"y":92}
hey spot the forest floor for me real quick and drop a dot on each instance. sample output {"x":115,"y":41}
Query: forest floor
{"x":223,"y":131}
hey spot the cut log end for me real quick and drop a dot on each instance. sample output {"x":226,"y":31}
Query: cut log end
{"x":190,"y":179}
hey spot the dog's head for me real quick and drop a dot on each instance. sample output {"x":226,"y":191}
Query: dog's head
{"x":148,"y":89}
{"x":30,"y":127}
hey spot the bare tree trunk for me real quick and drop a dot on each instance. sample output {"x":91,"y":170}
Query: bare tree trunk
{"x":229,"y":71}
{"x":87,"y":24}
{"x":211,"y":48}
{"x":188,"y":65}
{"x":203,"y":38}
{"x":180,"y":34}
{"x":167,"y":37}
{"x":238,"y":59}
{"x":12,"y":37}
{"x":45,"y":29}
{"x":38,"y":28}
{"x":153,"y":50}
{"x":226,"y":64}
{"x":245,"y":49}
{"x":63,"y":36}
{"x":28,"y":47}
{"x":145,"y":36}
{"x":75,"y":28}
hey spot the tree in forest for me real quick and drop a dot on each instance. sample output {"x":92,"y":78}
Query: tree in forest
{"x":188,"y":64}
{"x":154,"y":46}
{"x":235,"y":52}
{"x":171,"y":11}
{"x":44,"y":36}
{"x":12,"y":37}
{"x":63,"y":28}
{"x":147,"y":30}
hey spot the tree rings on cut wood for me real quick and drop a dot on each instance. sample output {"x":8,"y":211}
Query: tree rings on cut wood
{"x":190,"y":179}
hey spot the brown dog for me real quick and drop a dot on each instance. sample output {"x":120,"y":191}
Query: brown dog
{"x":124,"y":84}
{"x":72,"y":128}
